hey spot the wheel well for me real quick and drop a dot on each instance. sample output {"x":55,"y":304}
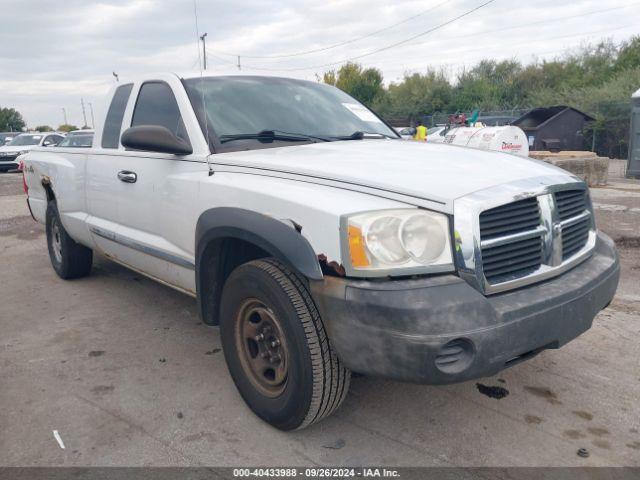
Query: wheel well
{"x":219,"y":258}
{"x":48,"y":190}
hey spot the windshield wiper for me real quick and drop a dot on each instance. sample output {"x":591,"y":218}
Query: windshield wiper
{"x":359,"y":135}
{"x":270,"y":136}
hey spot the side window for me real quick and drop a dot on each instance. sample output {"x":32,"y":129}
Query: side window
{"x":156,"y":105}
{"x":113,"y":122}
{"x":50,"y":140}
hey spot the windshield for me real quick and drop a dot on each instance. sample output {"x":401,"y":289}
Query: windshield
{"x":23,"y":139}
{"x":248,"y":105}
{"x":77,"y":140}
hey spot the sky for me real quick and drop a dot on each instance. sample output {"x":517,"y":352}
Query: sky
{"x":55,"y":53}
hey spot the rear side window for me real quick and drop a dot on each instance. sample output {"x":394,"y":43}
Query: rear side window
{"x":157,"y":105}
{"x":113,"y":122}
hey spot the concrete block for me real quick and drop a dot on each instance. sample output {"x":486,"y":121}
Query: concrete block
{"x":587,"y":165}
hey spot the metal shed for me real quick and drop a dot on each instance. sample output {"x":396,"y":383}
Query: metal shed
{"x":554,"y":128}
{"x":633,"y":166}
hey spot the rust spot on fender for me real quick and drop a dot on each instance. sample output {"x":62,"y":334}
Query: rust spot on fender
{"x":331,"y":267}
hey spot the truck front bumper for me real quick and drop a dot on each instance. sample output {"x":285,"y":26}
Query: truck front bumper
{"x":440,"y":330}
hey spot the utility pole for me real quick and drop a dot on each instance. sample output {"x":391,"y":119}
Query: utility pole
{"x":64,"y":113}
{"x":204,"y":50}
{"x":239,"y":68}
{"x":93,"y":122}
{"x":84,"y":113}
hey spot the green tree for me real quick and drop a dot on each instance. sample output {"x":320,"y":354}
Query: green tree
{"x":416,"y":95}
{"x":11,"y":120}
{"x":629,"y":56}
{"x":362,"y":84}
{"x":65,"y":127}
{"x":43,"y":128}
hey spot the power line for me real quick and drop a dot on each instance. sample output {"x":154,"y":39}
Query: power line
{"x":541,"y":22}
{"x":552,"y":20}
{"x":484,"y":47}
{"x":378,"y":50}
{"x":341,"y":44}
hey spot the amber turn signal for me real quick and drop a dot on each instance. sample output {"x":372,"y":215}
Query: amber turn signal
{"x":356,"y":248}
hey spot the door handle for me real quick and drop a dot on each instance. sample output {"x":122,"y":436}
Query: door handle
{"x":127,"y":176}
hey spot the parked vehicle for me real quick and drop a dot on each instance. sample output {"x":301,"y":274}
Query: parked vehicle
{"x":319,"y":242}
{"x":21,"y":144}
{"x":6,"y":137}
{"x":407,"y":133}
{"x":85,"y":131}
{"x":436,"y":134}
{"x":77,"y":139}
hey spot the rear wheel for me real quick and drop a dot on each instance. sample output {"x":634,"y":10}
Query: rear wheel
{"x":68,"y":258}
{"x":276,"y":347}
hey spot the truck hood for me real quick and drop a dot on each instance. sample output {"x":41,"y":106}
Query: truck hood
{"x":434,"y":173}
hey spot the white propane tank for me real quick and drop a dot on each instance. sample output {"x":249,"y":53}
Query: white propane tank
{"x":506,"y":139}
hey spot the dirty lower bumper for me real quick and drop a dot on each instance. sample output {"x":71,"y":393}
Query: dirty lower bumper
{"x":441,"y":330}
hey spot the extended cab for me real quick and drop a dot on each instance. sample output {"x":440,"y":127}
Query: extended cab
{"x":320,"y":242}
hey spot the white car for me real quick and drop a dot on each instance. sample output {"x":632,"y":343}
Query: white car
{"x":320,"y":242}
{"x":436,"y":134}
{"x":22,"y":144}
{"x":406,"y":133}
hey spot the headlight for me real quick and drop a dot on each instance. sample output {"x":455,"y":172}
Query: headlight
{"x":397,"y":242}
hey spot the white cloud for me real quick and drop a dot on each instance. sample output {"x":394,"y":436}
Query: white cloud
{"x":55,"y":53}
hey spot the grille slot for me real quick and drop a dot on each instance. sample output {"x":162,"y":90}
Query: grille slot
{"x":570,"y":203}
{"x":515,"y":217}
{"x":574,"y":237}
{"x":514,"y":259}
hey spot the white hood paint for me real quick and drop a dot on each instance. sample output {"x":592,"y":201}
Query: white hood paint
{"x":435,"y":172}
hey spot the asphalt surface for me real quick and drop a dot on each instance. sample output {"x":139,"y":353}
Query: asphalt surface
{"x":122,"y":368}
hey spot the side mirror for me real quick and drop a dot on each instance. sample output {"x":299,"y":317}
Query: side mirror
{"x":154,"y":138}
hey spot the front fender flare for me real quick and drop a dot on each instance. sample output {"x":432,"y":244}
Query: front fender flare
{"x":269,"y":234}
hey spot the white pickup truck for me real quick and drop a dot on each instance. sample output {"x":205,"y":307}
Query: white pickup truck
{"x":320,"y":242}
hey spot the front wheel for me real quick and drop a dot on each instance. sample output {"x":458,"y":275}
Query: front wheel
{"x":276,"y":347}
{"x":68,"y":258}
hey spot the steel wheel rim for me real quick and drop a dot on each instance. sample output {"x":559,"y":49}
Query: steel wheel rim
{"x":56,"y":241}
{"x":262,"y":347}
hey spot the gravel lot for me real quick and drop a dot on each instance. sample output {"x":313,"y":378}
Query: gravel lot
{"x":126,"y":373}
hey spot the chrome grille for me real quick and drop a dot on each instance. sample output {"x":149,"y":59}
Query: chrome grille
{"x":504,"y":241}
{"x":509,"y":255}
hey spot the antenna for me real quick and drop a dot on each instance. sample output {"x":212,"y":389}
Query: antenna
{"x":204,"y":105}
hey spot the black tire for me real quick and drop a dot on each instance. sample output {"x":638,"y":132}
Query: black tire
{"x":316,"y":381}
{"x":68,"y":258}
